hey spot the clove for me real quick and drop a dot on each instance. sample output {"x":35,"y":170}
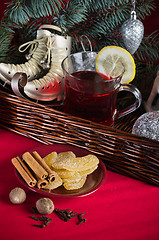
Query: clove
{"x":40,"y":226}
{"x":81,"y":219}
{"x":34,"y":210}
{"x":65,"y":215}
{"x":46,"y":221}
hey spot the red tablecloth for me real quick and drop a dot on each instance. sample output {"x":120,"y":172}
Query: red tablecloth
{"x":122,"y":209}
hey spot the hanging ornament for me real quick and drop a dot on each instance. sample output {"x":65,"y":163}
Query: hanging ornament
{"x":132,"y":31}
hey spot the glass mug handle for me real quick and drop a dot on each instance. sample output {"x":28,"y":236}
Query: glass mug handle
{"x":135,"y":105}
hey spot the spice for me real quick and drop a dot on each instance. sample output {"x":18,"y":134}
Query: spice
{"x":40,"y":226}
{"x":45,"y":206}
{"x":34,"y":210}
{"x":40,"y":160}
{"x":35,"y":218}
{"x":17,"y":195}
{"x":24,"y":171}
{"x":46,"y":221}
{"x":65,"y":215}
{"x":81,"y":219}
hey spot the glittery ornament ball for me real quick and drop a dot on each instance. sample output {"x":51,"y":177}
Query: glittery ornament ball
{"x":147,"y":125}
{"x":132,"y":32}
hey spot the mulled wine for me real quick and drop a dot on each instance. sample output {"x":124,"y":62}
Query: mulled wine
{"x":90,"y":97}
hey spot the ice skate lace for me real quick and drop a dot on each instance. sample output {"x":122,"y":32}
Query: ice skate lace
{"x":36,"y":53}
{"x":54,"y":55}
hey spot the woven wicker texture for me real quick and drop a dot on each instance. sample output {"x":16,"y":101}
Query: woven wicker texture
{"x":121,"y":151}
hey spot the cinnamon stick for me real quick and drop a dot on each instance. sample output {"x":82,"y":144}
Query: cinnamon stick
{"x":23,"y":171}
{"x":39,"y":171}
{"x":51,"y":178}
{"x":42,"y":183}
{"x":40,"y":160}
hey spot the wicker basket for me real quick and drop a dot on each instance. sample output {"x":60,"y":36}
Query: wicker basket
{"x":121,"y":151}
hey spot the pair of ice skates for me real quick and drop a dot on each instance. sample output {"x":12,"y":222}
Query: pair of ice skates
{"x":43,"y":68}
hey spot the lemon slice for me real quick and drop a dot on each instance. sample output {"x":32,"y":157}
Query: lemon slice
{"x":112,"y":60}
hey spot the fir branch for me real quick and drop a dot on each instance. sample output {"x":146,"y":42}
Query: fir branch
{"x":21,"y":11}
{"x":43,"y":8}
{"x":113,"y":3}
{"x":5,"y":42}
{"x":18,"y":12}
{"x":115,"y":17}
{"x":149,"y":49}
{"x":144,"y":8}
{"x":93,"y":5}
{"x":72,"y":15}
{"x":97,"y":6}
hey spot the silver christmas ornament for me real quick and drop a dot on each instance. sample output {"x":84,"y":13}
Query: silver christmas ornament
{"x":147,"y":125}
{"x":132,"y":32}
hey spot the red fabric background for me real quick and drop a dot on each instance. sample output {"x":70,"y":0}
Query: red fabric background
{"x":122,"y":209}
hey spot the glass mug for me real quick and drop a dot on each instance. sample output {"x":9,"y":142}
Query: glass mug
{"x":91,"y":95}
